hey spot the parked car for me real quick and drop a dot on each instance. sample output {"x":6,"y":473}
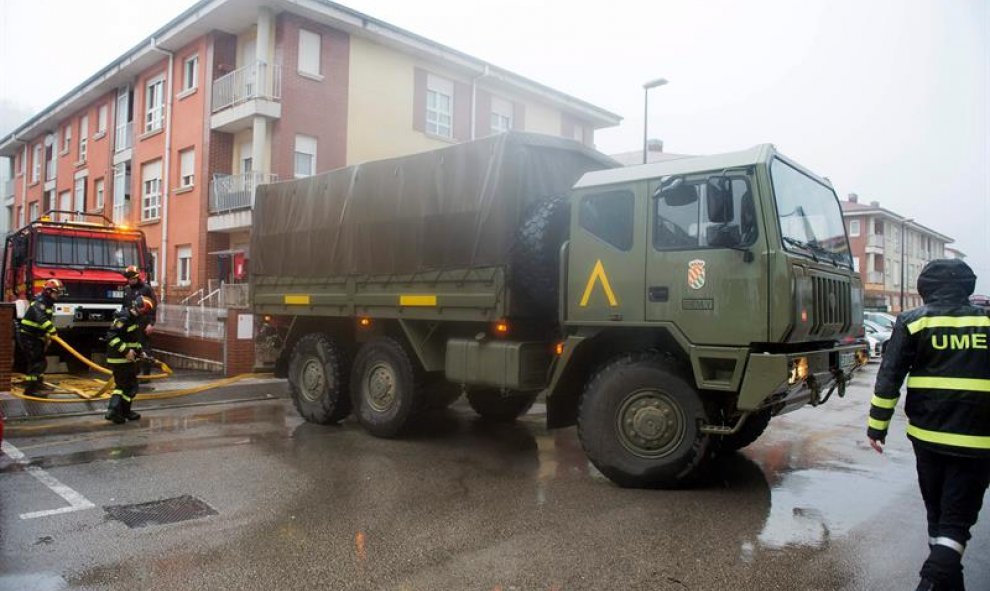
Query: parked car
{"x":980,"y":301}
{"x":885,"y":320}
{"x":877,"y":337}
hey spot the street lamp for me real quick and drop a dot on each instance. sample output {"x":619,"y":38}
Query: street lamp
{"x":646,"y":107}
{"x":904,"y":224}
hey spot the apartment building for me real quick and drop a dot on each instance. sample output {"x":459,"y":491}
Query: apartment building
{"x":173,"y":136}
{"x":889,"y":252}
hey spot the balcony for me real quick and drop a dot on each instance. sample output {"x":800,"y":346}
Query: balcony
{"x":231,"y":200}
{"x":50,"y":170}
{"x":239,"y":96}
{"x":875,"y":278}
{"x":875,"y":243}
{"x":8,"y":188}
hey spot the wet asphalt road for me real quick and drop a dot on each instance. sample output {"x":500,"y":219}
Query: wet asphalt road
{"x":457,"y":505}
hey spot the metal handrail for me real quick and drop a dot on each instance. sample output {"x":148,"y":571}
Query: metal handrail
{"x":191,"y":296}
{"x":207,"y":296}
{"x":229,"y":192}
{"x":258,"y":80}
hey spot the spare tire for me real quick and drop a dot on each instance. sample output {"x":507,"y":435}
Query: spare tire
{"x":536,"y":252}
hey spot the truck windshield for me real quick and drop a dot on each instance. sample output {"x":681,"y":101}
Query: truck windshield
{"x":83,"y":251}
{"x":810,"y":218}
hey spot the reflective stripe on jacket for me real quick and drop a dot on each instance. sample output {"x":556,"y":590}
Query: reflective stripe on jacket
{"x":38,"y":320}
{"x":122,"y":337}
{"x":944,"y":352}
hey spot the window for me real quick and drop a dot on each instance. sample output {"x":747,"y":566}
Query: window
{"x":83,"y":137}
{"x":66,"y":139}
{"x":103,"y":252}
{"x":121,"y":191}
{"x":65,"y":204}
{"x":305,"y":160}
{"x":439,"y":106}
{"x":856,"y":264}
{"x":501,"y":115}
{"x":79,"y":203}
{"x":99,"y":187}
{"x":309,"y":52}
{"x":20,"y":215}
{"x":153,"y":266}
{"x":101,"y":120}
{"x":33,"y":215}
{"x":36,"y":164}
{"x":190,"y":73}
{"x":693,"y":214}
{"x":184,"y":261}
{"x":154,"y":109}
{"x":20,"y":163}
{"x":853,"y":228}
{"x":151,"y":190}
{"x":187,"y":161}
{"x":609,"y":216}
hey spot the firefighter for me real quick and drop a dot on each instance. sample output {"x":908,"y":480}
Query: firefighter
{"x":124,"y":351}
{"x":942,"y":349}
{"x":136,"y":287}
{"x":35,"y":333}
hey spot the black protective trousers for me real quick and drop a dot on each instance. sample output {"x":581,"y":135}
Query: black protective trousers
{"x":35,"y":362}
{"x":953,"y":488}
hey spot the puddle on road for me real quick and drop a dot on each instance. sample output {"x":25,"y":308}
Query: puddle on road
{"x":32,"y":582}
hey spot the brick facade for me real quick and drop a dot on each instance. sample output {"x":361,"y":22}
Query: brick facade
{"x":238,"y":352}
{"x":7,"y":313}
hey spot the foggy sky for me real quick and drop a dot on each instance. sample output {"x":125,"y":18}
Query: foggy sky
{"x":887,"y":98}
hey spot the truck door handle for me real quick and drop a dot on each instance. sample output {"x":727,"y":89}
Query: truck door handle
{"x":658,"y":294}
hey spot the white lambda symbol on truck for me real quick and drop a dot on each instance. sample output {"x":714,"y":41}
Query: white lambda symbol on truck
{"x":598,"y":274}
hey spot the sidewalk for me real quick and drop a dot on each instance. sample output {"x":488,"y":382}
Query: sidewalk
{"x":16,"y":409}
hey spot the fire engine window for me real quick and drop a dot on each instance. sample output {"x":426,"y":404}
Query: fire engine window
{"x":81,"y":251}
{"x":609,"y":216}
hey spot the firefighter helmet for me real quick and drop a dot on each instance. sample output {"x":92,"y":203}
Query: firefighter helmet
{"x":131,"y":271}
{"x":54,"y":285}
{"x":144,"y":305}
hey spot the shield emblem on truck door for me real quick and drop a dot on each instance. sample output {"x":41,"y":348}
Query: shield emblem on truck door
{"x":696,"y":274}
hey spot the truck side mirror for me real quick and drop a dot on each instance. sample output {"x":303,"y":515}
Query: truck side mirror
{"x":675,"y":192}
{"x":718,"y":200}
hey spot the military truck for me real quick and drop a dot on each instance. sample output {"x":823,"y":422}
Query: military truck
{"x":669,"y":310}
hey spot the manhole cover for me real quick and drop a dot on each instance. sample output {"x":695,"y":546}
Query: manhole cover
{"x":161,"y":512}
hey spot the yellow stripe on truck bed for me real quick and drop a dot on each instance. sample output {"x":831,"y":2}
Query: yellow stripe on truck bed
{"x":417,"y":300}
{"x":296,"y":300}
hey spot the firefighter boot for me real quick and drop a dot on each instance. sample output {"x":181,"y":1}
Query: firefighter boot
{"x":32,"y":387}
{"x":114,"y":410}
{"x":127,"y":413}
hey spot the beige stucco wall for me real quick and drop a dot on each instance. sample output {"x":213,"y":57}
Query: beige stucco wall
{"x":380,"y":104}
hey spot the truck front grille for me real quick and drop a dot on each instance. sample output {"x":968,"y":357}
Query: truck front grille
{"x":832,"y":306}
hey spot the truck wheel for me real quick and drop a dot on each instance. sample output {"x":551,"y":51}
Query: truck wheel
{"x":384,"y":388}
{"x":318,"y":379}
{"x":537,"y":250}
{"x":492,"y":406}
{"x":639,"y":424}
{"x":751,"y":430}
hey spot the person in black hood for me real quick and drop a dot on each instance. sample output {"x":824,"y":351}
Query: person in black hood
{"x":943,"y":349}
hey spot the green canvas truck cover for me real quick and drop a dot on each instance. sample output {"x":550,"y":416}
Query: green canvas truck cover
{"x":456,"y":207}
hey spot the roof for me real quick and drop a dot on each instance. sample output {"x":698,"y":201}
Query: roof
{"x":233,"y":16}
{"x":692,"y":164}
{"x":850,"y":209}
{"x":636,"y":157}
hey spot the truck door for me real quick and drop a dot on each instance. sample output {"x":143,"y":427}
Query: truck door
{"x":606,"y":254}
{"x":706,"y":261}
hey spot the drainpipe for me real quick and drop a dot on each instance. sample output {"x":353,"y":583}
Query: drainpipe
{"x":474,"y":101}
{"x":167,"y":172}
{"x":15,"y":223}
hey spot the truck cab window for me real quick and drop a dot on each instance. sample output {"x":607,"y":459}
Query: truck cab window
{"x":716,"y":213}
{"x":609,"y":216}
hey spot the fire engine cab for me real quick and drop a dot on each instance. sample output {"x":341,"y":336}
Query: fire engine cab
{"x":87,"y":252}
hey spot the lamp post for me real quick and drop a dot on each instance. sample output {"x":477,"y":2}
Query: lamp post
{"x":646,"y":108}
{"x":904,"y":224}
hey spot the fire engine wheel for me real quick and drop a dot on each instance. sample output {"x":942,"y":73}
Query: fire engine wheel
{"x":639,"y":423}
{"x":492,"y":406}
{"x":384,"y":387}
{"x":318,"y":379}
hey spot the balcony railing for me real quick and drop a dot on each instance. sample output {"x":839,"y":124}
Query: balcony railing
{"x":875,"y":240}
{"x":124,"y":138}
{"x":236,"y":191}
{"x":258,"y":80}
{"x":874,"y":277}
{"x":50,"y":170}
{"x":8,"y":188}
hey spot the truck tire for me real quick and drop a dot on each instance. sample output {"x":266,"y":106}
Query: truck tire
{"x":318,"y":379}
{"x":537,"y":249}
{"x":493,"y":407}
{"x":384,"y":388}
{"x":751,"y":430}
{"x":639,"y":423}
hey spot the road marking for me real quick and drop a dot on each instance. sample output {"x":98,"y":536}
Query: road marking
{"x":76,"y":501}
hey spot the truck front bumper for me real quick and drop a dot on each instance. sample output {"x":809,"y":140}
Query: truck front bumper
{"x":791,"y":380}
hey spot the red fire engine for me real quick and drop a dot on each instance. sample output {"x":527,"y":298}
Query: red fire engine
{"x":88,"y":253}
